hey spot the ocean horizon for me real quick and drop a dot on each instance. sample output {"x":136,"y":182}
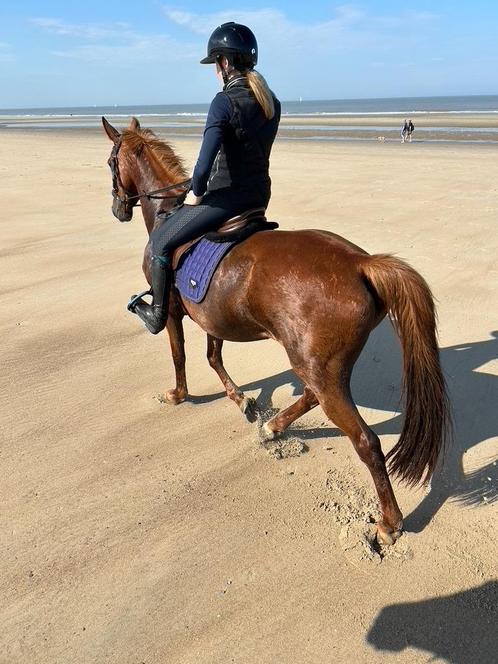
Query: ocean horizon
{"x":314,"y":119}
{"x":367,"y":106}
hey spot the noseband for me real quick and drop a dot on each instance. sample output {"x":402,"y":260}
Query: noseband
{"x":117,"y":183}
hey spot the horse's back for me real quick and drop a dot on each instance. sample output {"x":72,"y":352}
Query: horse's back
{"x":301,"y":257}
{"x":307,"y":241}
{"x":279,"y":276}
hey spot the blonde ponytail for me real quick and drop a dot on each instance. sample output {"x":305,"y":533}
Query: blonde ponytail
{"x":262,"y":92}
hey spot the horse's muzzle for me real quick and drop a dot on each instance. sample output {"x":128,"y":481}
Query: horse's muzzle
{"x":121,"y":211}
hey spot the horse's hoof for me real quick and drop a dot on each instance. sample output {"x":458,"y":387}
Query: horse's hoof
{"x":250,"y":408}
{"x":268,"y":434}
{"x":386,"y":537}
{"x":173,"y":398}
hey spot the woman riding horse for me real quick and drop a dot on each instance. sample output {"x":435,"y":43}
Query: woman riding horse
{"x":231,"y":173}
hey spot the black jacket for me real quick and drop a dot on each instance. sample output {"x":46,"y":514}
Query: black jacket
{"x":238,"y":138}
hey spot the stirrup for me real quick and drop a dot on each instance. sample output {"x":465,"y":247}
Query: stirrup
{"x":135,"y":298}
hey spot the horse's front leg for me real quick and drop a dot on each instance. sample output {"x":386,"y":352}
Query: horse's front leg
{"x":177,"y":342}
{"x":247,"y":405}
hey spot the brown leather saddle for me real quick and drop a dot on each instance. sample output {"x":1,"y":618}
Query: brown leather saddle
{"x":235,"y":229}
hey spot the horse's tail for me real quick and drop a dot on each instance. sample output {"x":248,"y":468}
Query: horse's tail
{"x":427,"y":421}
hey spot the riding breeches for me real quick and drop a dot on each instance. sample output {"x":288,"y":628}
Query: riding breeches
{"x":191,"y":221}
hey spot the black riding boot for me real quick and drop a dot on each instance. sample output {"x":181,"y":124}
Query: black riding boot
{"x":155,"y":315}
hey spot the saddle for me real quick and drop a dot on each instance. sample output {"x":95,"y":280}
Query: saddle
{"x":233,"y":230}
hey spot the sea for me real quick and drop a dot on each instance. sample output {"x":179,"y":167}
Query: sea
{"x":443,"y":119}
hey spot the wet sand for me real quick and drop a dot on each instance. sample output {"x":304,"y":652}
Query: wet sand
{"x":471,"y":127}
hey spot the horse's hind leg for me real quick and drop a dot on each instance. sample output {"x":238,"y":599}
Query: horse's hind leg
{"x":246,"y":404}
{"x":177,"y":343}
{"x":284,"y":418}
{"x":338,"y":405}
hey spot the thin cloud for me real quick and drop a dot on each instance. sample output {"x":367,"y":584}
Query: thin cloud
{"x":350,"y":13}
{"x":143,"y":49}
{"x":83,"y":30}
{"x":347,"y":29}
{"x":114,"y":42}
{"x":405,"y":20}
{"x":276,"y":30}
{"x":203,"y":24}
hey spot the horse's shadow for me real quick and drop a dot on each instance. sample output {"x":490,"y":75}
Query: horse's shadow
{"x":376,"y":384}
{"x":465,"y":626}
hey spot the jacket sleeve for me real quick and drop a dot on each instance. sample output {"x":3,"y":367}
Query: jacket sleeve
{"x":218,"y":118}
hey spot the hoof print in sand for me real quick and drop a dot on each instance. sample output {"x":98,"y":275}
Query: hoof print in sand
{"x":284,"y":448}
{"x":354,"y":507}
{"x":359,"y":542}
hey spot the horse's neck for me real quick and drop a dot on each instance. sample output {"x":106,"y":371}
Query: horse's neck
{"x":149,"y":177}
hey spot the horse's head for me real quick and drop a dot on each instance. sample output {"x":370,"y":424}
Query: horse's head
{"x":143,"y":168}
{"x":124,"y":191}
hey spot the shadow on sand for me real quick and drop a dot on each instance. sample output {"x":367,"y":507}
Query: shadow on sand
{"x":376,"y":384}
{"x":460,"y":628}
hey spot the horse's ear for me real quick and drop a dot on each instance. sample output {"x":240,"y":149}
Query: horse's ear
{"x":134,"y":124}
{"x":113,"y":133}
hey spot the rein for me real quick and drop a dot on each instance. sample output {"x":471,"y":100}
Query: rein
{"x":151,"y":194}
{"x":117,"y":184}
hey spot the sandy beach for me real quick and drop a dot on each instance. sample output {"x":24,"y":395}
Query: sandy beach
{"x":136,"y":532}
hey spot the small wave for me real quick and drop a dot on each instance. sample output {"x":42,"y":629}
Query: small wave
{"x":381,"y":113}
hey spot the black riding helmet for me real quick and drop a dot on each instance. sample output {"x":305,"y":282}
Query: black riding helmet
{"x":236,"y":42}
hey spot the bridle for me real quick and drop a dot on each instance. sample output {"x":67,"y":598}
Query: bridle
{"x":127,"y":200}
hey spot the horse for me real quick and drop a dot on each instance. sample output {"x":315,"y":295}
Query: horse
{"x":318,"y":295}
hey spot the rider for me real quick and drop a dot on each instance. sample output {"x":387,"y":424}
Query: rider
{"x":231,"y":173}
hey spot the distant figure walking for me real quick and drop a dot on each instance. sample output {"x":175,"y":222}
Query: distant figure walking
{"x":411,"y":129}
{"x":404,"y":131}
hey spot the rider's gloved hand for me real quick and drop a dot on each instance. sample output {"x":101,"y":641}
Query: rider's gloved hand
{"x":192,"y":199}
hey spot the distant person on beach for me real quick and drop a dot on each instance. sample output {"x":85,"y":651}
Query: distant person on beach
{"x":232,"y":171}
{"x":411,"y":129}
{"x":404,"y":131}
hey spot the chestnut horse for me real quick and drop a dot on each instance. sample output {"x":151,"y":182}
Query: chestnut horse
{"x":319,"y":296}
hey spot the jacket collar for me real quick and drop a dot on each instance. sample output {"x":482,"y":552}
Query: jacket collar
{"x":238,"y":80}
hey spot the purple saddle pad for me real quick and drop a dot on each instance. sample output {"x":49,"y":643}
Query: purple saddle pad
{"x":197,"y":266}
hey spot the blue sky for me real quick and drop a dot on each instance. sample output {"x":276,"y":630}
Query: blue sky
{"x":54,"y":53}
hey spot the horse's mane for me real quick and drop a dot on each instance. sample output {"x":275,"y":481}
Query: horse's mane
{"x":137,"y":140}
